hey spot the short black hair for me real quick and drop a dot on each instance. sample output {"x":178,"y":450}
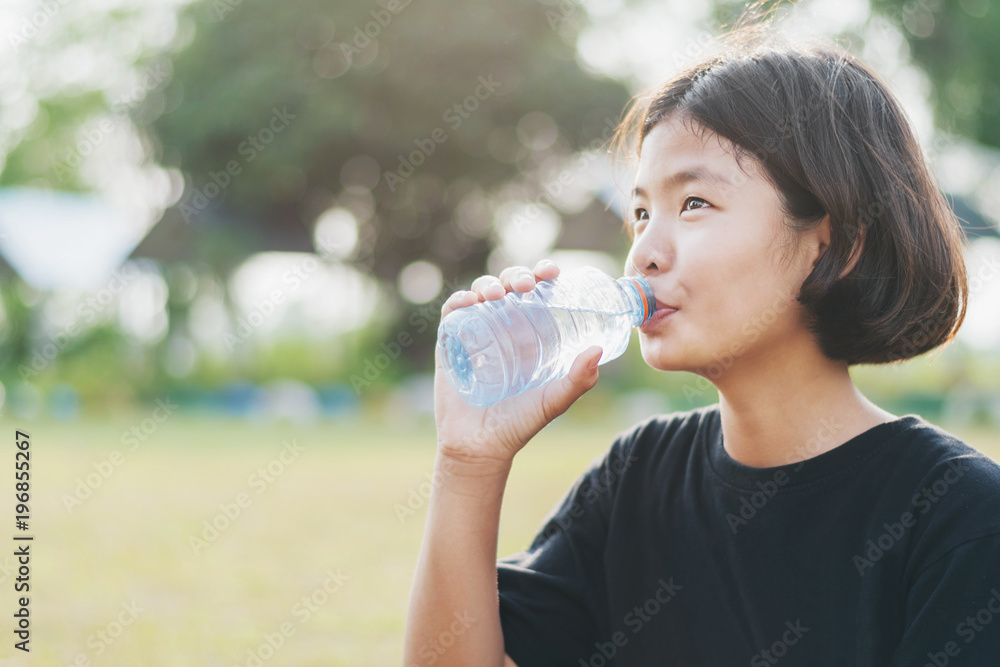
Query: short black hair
{"x":831,"y":137}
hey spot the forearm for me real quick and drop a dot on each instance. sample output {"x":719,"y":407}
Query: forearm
{"x":453,"y":616}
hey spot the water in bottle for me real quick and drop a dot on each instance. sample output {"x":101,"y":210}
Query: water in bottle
{"x":496,"y":349}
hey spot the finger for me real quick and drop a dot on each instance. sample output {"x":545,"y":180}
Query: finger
{"x":583,"y":373}
{"x":438,"y":366}
{"x":582,"y":377}
{"x":517,"y":279}
{"x":459,"y":299}
{"x":546,"y":270}
{"x":488,"y":287}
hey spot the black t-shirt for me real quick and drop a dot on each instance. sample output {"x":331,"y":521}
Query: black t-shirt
{"x":884,"y":551}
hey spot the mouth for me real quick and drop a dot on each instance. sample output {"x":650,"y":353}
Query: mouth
{"x":658,"y":316}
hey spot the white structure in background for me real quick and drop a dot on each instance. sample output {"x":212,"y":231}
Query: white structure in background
{"x":981,"y":329}
{"x":61,"y":240}
{"x":973,"y":171}
{"x":73,"y":247}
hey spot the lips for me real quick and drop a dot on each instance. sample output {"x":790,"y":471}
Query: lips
{"x":656,"y":318}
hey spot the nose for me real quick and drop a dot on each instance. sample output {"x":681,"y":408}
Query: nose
{"x":651,"y":252}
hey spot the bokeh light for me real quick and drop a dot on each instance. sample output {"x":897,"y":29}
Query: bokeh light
{"x":420,"y":282}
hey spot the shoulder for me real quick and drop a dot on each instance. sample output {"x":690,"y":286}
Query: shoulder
{"x":934,"y":455}
{"x":955,"y":488}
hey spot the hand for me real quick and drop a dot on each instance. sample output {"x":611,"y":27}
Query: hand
{"x":493,"y":435}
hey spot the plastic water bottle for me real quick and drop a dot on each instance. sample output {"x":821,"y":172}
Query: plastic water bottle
{"x":496,"y":349}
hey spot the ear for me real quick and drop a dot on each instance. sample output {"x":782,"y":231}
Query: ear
{"x":819,"y":240}
{"x":852,"y":260}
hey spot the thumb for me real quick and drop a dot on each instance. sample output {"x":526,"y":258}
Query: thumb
{"x":582,"y":377}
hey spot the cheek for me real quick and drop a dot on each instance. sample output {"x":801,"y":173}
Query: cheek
{"x":766,"y":310}
{"x":762,"y":297}
{"x":741,"y":288}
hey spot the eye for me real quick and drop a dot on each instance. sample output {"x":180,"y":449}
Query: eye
{"x":704,"y":203}
{"x":700,"y":203}
{"x":640,"y":217}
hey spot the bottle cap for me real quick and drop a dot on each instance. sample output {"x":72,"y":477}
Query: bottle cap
{"x":645,"y":295}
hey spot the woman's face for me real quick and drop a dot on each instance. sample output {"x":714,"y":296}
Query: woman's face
{"x":711,"y":241}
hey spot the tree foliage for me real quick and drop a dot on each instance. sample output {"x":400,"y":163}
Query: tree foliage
{"x":955,"y":43}
{"x":426,"y":116}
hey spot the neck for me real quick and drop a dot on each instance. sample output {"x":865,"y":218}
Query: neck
{"x":784,"y":408}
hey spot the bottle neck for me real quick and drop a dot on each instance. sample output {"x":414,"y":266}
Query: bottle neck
{"x":640,"y":298}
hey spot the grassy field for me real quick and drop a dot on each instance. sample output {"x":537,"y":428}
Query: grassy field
{"x":317,"y":552}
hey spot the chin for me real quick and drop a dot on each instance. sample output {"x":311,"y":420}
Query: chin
{"x":661,"y":356}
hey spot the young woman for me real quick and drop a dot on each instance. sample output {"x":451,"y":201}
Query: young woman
{"x":788,"y":224}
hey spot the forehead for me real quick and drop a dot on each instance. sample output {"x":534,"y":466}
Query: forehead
{"x":674,"y":147}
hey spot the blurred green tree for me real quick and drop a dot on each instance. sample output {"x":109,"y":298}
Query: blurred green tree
{"x":398,"y":111}
{"x":277,"y":112}
{"x":955,"y":43}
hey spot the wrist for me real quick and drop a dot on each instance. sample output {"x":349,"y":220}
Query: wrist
{"x":470,"y":474}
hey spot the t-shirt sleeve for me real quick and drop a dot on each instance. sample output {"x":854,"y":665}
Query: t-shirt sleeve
{"x":953,"y":609}
{"x":553,"y":597}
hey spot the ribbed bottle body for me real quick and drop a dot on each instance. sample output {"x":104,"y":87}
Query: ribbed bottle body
{"x":501,"y":348}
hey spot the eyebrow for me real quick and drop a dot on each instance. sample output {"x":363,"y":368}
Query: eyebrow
{"x":688,"y":176}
